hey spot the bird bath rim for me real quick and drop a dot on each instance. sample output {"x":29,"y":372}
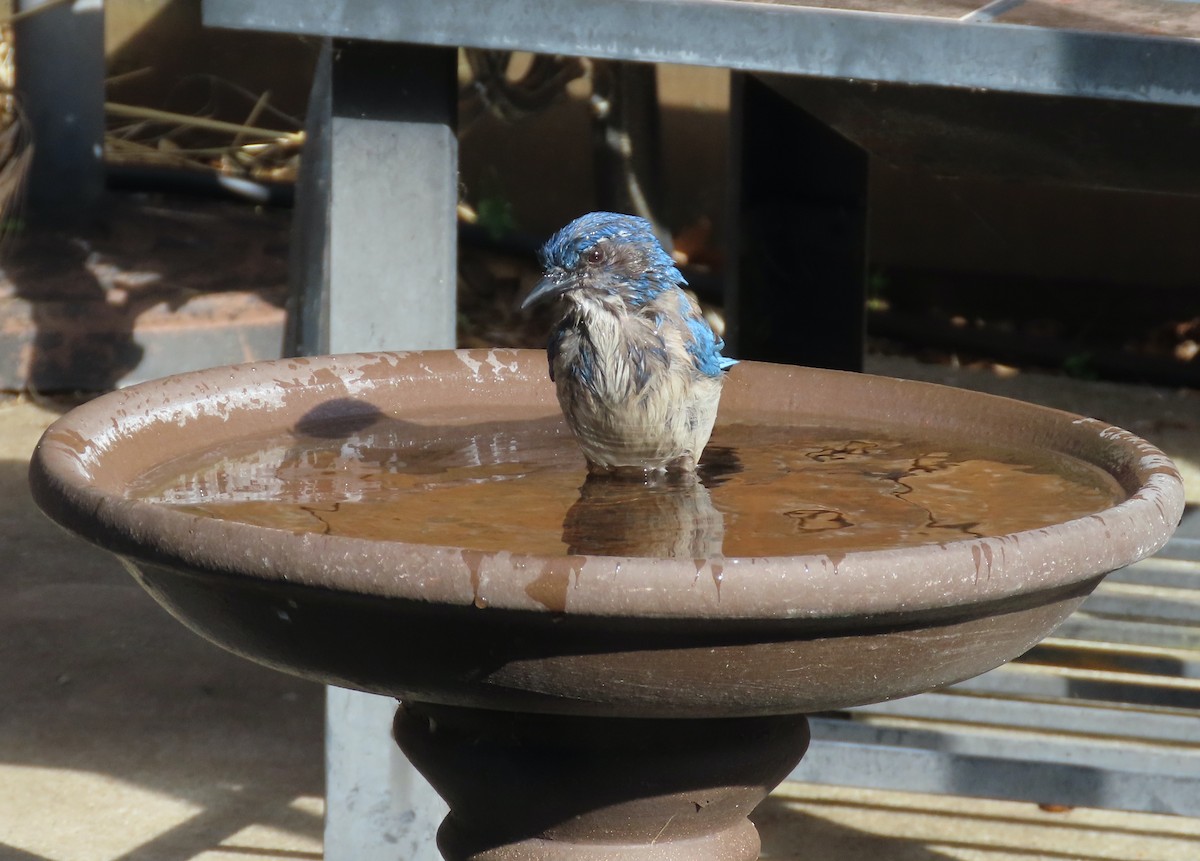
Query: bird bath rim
{"x":85,"y":460}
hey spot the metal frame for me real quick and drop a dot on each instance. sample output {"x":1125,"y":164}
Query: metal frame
{"x":360,"y":281}
{"x":392,"y":280}
{"x":755,"y":37}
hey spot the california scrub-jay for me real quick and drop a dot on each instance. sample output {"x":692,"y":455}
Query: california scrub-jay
{"x":637,"y":369}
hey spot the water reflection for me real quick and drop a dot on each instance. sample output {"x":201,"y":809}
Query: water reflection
{"x":665,"y":516}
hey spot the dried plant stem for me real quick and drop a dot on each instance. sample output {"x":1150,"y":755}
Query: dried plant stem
{"x":119,"y":147}
{"x":253,"y":116}
{"x":128,"y":76}
{"x":137,"y":112}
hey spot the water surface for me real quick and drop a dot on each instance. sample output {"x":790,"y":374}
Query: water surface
{"x":519,"y":484}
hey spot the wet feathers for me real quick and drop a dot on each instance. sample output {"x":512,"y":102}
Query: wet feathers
{"x":637,"y":369}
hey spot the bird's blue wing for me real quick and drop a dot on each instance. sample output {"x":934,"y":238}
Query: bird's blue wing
{"x":705,"y":348}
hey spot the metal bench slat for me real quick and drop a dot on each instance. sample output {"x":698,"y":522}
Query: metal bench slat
{"x":1086,"y":625}
{"x":944,"y":770}
{"x":1054,"y":715}
{"x":1028,"y":745}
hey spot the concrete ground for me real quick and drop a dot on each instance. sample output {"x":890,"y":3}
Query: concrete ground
{"x":124,"y":737}
{"x":122,"y":734}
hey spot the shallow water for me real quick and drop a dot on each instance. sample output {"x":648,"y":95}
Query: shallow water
{"x":520,"y":484}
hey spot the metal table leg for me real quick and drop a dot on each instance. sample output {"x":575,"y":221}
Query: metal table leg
{"x":64,"y":103}
{"x":797,"y":290}
{"x":374,"y":261}
{"x":374,"y":268}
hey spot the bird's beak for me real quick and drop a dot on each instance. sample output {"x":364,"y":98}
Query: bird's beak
{"x":547,"y":287}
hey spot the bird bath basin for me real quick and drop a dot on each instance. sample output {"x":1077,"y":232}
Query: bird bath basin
{"x":599,"y":669}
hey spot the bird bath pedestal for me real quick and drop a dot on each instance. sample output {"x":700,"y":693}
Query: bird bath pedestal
{"x":572,"y":704}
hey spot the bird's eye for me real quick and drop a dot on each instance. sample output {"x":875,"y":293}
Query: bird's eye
{"x":594,"y":255}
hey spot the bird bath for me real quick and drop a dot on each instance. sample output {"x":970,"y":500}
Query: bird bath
{"x":595,"y":670}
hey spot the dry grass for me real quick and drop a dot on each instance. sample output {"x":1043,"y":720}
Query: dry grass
{"x":147,"y":136}
{"x":16,"y":148}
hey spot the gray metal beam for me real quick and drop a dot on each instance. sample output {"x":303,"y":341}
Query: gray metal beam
{"x":1182,"y":547}
{"x":1099,"y":686}
{"x":858,"y":759}
{"x":975,"y":742}
{"x":1064,"y":716}
{"x":1084,"y":626}
{"x":374,"y":268}
{"x":377,"y":806}
{"x":1145,"y":603}
{"x":60,"y":87}
{"x":756,"y":37}
{"x":374,"y":262}
{"x":1160,"y":571}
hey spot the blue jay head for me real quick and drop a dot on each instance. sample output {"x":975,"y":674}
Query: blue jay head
{"x":606,"y":254}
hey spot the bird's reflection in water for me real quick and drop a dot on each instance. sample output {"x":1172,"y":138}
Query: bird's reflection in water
{"x":661,"y":516}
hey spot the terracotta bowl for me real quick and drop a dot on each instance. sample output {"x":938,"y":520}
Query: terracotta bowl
{"x":590,"y":635}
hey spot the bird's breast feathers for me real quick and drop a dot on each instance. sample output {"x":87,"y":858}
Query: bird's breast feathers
{"x":630,"y":387}
{"x":617,"y":355}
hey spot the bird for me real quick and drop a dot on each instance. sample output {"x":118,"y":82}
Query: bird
{"x":637,"y":369}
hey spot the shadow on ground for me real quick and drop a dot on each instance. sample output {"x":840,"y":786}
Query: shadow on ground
{"x":151,"y":287}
